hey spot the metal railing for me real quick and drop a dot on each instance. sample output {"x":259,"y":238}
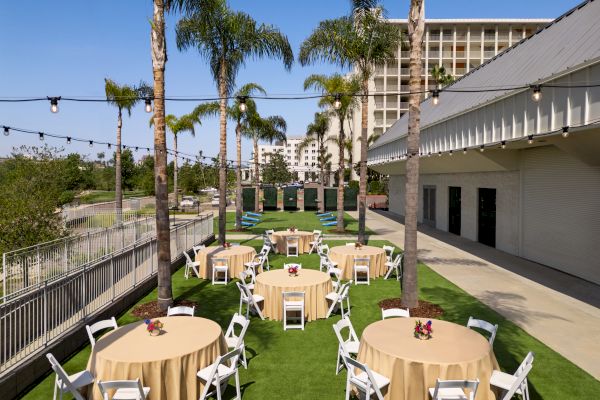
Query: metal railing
{"x":73,"y":213}
{"x":104,"y":220}
{"x":27,"y":268}
{"x":38,"y":318}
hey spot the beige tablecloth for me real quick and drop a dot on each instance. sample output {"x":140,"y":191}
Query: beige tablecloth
{"x":344,"y":256}
{"x":237,"y":256}
{"x":316,"y":284}
{"x":168,"y":363}
{"x":412,"y":365}
{"x":304,"y":239}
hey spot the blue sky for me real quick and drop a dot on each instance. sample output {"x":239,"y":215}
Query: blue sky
{"x":68,"y":47}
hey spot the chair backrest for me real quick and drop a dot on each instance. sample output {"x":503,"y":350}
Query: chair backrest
{"x":335,"y":272}
{"x":528,"y":360}
{"x":521,"y":381}
{"x":269,"y":232}
{"x":395,"y":312}
{"x":389,"y":250}
{"x":220,"y":262}
{"x":339,"y":327}
{"x":243,"y":288}
{"x":362,"y":261}
{"x":317,"y":234}
{"x":241,"y":321}
{"x":181,"y":310}
{"x":324,"y":248}
{"x":292,"y":240}
{"x":372,"y":383}
{"x":230,"y":362}
{"x":344,"y":290}
{"x":134,"y":385}
{"x":265,"y":250}
{"x":249,"y":272}
{"x":292,"y":296}
{"x":397,"y":260}
{"x":198,"y":248}
{"x":286,"y":266}
{"x":470,"y":385}
{"x":187,"y":257}
{"x":486,"y":326}
{"x":63,"y":376}
{"x":98,"y":326}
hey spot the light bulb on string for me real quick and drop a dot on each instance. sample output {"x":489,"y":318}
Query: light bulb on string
{"x":537,"y":92}
{"x":91,"y":143}
{"x":481,"y":148}
{"x":450,"y":152}
{"x":136,"y":149}
{"x":435,"y":96}
{"x":68,"y":140}
{"x":6,"y":131}
{"x":465,"y":150}
{"x":54,"y":104}
{"x":503,"y":144}
{"x":243,"y":105}
{"x":337,"y":101}
{"x":530,"y":139}
{"x":565,"y":131}
{"x":109,"y":145}
{"x":148,"y":106}
{"x":41,"y":135}
{"x":439,"y":153}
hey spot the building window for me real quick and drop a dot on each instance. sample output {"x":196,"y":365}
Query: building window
{"x":306,"y":164}
{"x":305,"y":151}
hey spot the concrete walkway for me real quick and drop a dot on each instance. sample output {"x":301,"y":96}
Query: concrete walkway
{"x":546,"y":303}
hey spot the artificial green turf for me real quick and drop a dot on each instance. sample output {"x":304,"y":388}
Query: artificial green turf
{"x":281,"y":220}
{"x":301,"y":364}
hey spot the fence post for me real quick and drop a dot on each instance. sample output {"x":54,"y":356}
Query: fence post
{"x":65,"y":257}
{"x":107,"y":246}
{"x":45,"y":317}
{"x":89,"y":247}
{"x":4,"y":277}
{"x":135,"y":229}
{"x":112,"y":275}
{"x":134,"y":266}
{"x":84,"y":292}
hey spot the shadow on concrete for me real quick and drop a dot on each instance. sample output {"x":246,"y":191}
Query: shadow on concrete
{"x":562,"y":282}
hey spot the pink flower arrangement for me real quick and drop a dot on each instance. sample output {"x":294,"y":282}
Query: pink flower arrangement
{"x":423,"y":331}
{"x":293,"y":270}
{"x":358,"y":245}
{"x":153,"y":326}
{"x":292,"y":229}
{"x":226,"y":245}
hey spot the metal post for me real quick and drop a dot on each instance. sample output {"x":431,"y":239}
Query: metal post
{"x":45,"y":317}
{"x":112,"y":274}
{"x":134,"y":266}
{"x":65,"y":257}
{"x":106,"y":235}
{"x":84,"y":292}
{"x":89,"y":248}
{"x":4,"y":277}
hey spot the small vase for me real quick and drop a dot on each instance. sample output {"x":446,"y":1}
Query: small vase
{"x":156,"y":332}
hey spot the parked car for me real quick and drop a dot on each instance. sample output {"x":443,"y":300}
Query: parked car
{"x":189,"y":201}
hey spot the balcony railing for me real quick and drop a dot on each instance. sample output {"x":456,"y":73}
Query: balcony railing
{"x":404,"y":71}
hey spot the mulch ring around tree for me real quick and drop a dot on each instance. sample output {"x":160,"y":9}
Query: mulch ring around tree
{"x":425,"y":309}
{"x":151,"y":310}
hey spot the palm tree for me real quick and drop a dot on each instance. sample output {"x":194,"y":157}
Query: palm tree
{"x":226,"y":38}
{"x":124,"y":97}
{"x":185,"y":123}
{"x":315,"y":132}
{"x":337,"y":88}
{"x":270,"y":129}
{"x":361,"y":40}
{"x":440,"y":76}
{"x":416,"y":23}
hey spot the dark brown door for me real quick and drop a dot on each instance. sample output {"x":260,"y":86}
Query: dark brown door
{"x":429,"y":205}
{"x":454,"y":210}
{"x":487,"y":217}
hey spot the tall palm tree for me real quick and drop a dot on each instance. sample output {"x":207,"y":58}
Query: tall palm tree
{"x":440,"y":76}
{"x":124,"y":97}
{"x":226,"y":39}
{"x":315,"y":132}
{"x":185,"y":123}
{"x":361,"y":40}
{"x":416,"y":24}
{"x":270,"y":129}
{"x":337,"y":88}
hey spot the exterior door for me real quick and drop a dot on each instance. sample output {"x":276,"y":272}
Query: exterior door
{"x":454,"y":210}
{"x":429,"y":205}
{"x":487,"y":217}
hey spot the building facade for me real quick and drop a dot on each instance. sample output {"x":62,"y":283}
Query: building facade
{"x":518,"y":168}
{"x":460,"y":45}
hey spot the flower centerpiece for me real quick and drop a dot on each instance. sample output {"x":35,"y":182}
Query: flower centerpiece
{"x":292,"y":229}
{"x":358,"y":245}
{"x":226,"y":245}
{"x":423,"y":331}
{"x":293,"y":270}
{"x":154,"y":327}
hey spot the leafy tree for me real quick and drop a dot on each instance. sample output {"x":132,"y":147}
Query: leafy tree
{"x":440,"y":76}
{"x":128,"y":168}
{"x":145,"y":175}
{"x":276,"y":171}
{"x":226,"y":39}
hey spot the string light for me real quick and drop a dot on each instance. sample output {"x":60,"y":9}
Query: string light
{"x":243,"y":105}
{"x":337,"y":101}
{"x":109,"y":146}
{"x":482,"y":148}
{"x":68,"y":140}
{"x":91,"y":143}
{"x":503,"y":144}
{"x":565,"y":131}
{"x":136,"y":149}
{"x":530,"y":139}
{"x":450,"y":152}
{"x":41,"y":135}
{"x":436,"y":97}
{"x":465,"y":150}
{"x":148,"y":106}
{"x":439,"y":153}
{"x":6,"y":131}
{"x":54,"y":104}
{"x":537,"y":92}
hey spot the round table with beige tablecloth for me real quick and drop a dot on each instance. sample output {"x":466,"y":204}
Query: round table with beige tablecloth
{"x":315,"y":284}
{"x":413,"y":365}
{"x":168,"y":363}
{"x":345,"y":255}
{"x":236,"y":257}
{"x":304,"y":239}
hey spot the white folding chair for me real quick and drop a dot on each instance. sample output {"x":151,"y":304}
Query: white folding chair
{"x":190,"y":266}
{"x":389,"y":252}
{"x":486,"y":326}
{"x":237,"y":341}
{"x":292,"y":245}
{"x":454,"y":389}
{"x":251,"y":300}
{"x":64,"y":383}
{"x":181,"y":310}
{"x":98,"y":326}
{"x":323,"y":248}
{"x":336,"y":277}
{"x":248,"y":273}
{"x":218,"y":374}
{"x":198,"y":248}
{"x":348,"y":346}
{"x":293,"y":302}
{"x":394,"y":266}
{"x":255,"y":263}
{"x":286,"y":266}
{"x":124,"y":390}
{"x":264,"y":252}
{"x":317,"y":239}
{"x":361,"y":267}
{"x":269,"y":240}
{"x":517,"y":383}
{"x":368,"y":382}
{"x":395,"y":312}
{"x":337,"y":299}
{"x":220,"y":267}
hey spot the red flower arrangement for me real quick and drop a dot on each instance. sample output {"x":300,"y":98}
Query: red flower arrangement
{"x":293,"y":270}
{"x":226,"y":245}
{"x":423,"y":331}
{"x":358,"y":245}
{"x":154,"y":327}
{"x":292,"y":229}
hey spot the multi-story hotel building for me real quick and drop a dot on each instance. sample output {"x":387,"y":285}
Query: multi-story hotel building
{"x":460,"y":45}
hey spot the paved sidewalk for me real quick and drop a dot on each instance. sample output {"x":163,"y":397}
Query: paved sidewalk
{"x":533,"y":298}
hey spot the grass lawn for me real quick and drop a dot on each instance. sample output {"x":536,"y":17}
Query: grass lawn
{"x":300,"y":365}
{"x":101,"y":196}
{"x":281,"y":220}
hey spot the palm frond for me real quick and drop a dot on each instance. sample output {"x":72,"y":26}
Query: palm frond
{"x":124,"y":97}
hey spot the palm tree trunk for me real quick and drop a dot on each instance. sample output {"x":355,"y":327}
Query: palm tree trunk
{"x":341,"y":173}
{"x":321,"y":194}
{"x":159,"y":58}
{"x":238,"y":177}
{"x":175,"y":172}
{"x":222,"y":153}
{"x":118,"y":177}
{"x":410,"y":295}
{"x":256,"y":178}
{"x":362,"y":184}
